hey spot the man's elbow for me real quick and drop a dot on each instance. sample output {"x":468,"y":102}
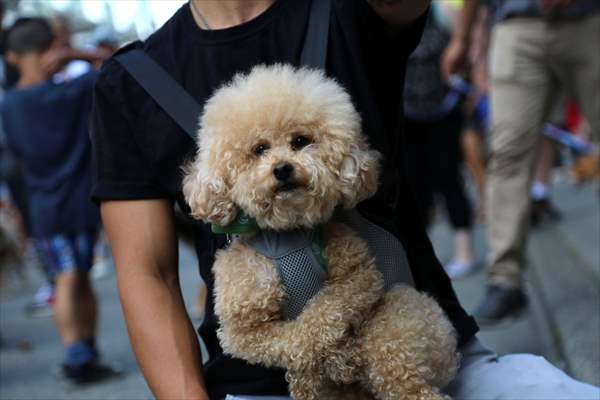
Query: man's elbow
{"x":399,"y":13}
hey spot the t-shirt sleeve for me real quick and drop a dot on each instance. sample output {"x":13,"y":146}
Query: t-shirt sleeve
{"x":121,"y":169}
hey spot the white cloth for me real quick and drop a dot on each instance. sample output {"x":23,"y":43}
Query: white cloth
{"x":484,"y":375}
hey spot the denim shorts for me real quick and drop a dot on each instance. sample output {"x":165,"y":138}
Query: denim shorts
{"x":66,"y":252}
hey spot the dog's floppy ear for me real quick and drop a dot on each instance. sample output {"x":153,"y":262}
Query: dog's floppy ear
{"x":207,"y":194}
{"x":359,"y":175}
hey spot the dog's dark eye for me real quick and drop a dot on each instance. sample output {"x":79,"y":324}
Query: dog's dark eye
{"x":298,"y":142}
{"x":260,"y":149}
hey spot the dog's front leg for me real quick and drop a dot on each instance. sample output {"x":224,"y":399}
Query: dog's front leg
{"x":313,"y":385}
{"x":248,"y":296}
{"x":319,"y":336}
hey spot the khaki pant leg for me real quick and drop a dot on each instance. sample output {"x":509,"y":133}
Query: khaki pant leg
{"x":576,"y":52}
{"x":521,"y":91}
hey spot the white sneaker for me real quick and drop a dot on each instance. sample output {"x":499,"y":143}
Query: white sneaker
{"x":458,"y":269}
{"x":101,"y":269}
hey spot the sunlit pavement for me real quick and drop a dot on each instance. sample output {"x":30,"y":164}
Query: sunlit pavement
{"x":562,"y":322}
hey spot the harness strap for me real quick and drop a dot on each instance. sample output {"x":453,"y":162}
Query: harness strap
{"x":165,"y":90}
{"x":314,"y":52}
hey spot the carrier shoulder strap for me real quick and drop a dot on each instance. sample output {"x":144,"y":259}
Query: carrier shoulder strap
{"x":165,"y":90}
{"x":180,"y":105}
{"x":314,"y":52}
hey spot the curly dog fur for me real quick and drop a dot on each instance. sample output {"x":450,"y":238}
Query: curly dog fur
{"x":352,"y":340}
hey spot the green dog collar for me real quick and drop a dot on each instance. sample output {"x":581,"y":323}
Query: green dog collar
{"x":318,"y":246}
{"x":241,"y":225}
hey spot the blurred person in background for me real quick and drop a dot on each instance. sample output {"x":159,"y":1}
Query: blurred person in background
{"x":65,"y":69}
{"x":475,"y":133}
{"x":8,"y":74}
{"x":538,"y":47}
{"x":12,"y":227}
{"x":74,"y":67}
{"x":107,"y":44}
{"x":542,"y":208}
{"x":46,"y":126}
{"x":139,"y":150}
{"x":433,"y":156}
{"x":10,"y":169}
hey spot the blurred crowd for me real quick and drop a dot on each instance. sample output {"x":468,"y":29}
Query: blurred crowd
{"x":510,"y":90}
{"x":497,"y":95}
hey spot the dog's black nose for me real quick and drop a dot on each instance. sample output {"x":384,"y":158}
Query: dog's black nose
{"x":283,"y":171}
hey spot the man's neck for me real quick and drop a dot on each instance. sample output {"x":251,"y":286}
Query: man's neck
{"x":224,"y":14}
{"x":30,"y":72}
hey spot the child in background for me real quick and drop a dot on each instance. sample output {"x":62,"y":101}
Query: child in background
{"x":46,"y":126}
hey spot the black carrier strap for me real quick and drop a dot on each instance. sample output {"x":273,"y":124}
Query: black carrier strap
{"x":165,"y":90}
{"x":181,"y":106}
{"x":314,"y":52}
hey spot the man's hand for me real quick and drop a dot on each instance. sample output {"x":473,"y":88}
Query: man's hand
{"x":399,"y":13}
{"x":54,"y":60}
{"x":454,"y":57}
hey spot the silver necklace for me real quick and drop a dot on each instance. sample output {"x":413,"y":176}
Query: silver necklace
{"x":199,"y":14}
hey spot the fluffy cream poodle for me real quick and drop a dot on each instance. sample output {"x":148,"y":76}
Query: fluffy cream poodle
{"x":284,"y":146}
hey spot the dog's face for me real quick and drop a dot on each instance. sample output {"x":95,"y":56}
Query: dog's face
{"x":283,"y":145}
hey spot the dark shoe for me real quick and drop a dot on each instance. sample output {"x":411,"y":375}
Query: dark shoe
{"x":91,"y":372}
{"x":542,"y":210}
{"x":500,"y":303}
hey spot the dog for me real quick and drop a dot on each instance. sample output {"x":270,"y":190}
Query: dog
{"x":284,"y":147}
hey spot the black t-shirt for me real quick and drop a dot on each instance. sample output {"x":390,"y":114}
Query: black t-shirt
{"x":139,"y":149}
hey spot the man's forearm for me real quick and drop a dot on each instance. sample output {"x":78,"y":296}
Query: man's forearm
{"x":399,"y":12}
{"x":455,"y":55}
{"x":144,"y":245}
{"x":162,"y":338}
{"x":466,"y":21}
{"x":90,"y":56}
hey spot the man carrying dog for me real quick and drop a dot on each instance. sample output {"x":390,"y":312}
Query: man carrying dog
{"x":139,"y":150}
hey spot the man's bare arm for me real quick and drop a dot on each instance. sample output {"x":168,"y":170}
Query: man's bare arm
{"x":144,"y":245}
{"x":399,"y":13}
{"x":455,"y":55}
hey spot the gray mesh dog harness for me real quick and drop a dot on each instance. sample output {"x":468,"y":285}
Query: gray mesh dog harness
{"x":303,"y":275}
